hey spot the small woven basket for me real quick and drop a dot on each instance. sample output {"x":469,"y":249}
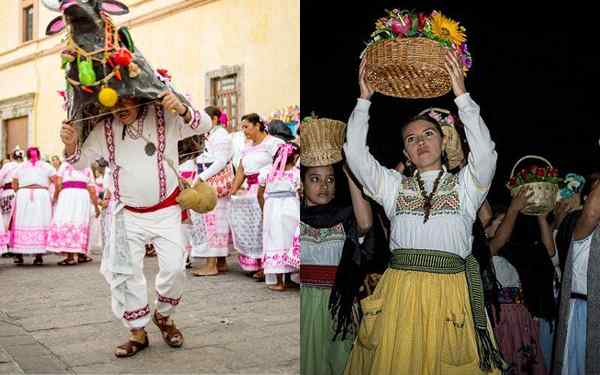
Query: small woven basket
{"x":408,"y":68}
{"x":544,"y":193}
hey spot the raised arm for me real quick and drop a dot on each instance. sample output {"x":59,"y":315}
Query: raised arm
{"x":482,"y":157}
{"x":362,"y":208}
{"x":375,"y":178}
{"x":590,"y":217}
{"x":502,"y":235}
{"x":547,"y":236}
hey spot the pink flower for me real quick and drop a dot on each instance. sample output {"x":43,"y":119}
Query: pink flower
{"x":401,"y":26}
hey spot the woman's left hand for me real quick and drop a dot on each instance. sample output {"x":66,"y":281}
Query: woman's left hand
{"x":457,"y":76}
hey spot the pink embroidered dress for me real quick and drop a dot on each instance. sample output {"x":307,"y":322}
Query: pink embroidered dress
{"x":245,"y":215}
{"x":33,"y":209}
{"x":211,"y":234}
{"x":281,"y":223}
{"x":7,"y":195}
{"x":70,"y":226}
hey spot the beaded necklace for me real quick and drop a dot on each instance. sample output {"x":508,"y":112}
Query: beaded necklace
{"x":428,"y":197}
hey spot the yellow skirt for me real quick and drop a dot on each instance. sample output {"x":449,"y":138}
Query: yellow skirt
{"x":417,"y":323}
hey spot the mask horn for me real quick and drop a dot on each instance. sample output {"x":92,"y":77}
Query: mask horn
{"x":53,"y":5}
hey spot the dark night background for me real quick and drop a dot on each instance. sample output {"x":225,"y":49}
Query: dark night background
{"x":532,"y":77}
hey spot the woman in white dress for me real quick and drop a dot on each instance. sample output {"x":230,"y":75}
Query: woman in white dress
{"x":211,"y":235}
{"x":281,"y":222}
{"x":33,"y":207}
{"x":245,"y":214}
{"x":75,"y":197}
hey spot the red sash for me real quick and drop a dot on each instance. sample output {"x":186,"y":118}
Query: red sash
{"x":168,"y":202}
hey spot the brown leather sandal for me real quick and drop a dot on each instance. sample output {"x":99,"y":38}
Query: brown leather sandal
{"x":133,"y":346}
{"x":172,"y":336}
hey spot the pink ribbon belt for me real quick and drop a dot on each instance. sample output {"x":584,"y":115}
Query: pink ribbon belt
{"x":74,"y":185}
{"x":252,"y":179}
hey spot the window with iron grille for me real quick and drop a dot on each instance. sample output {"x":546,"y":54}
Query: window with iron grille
{"x":225,"y":95}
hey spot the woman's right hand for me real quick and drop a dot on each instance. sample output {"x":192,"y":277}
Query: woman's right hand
{"x":366,"y":92}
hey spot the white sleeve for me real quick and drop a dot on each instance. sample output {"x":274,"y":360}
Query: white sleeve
{"x":200,"y":123}
{"x":380,"y":183}
{"x":476,"y":177}
{"x":222,"y":151}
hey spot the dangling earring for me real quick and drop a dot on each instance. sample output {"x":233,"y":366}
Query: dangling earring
{"x":408,"y":163}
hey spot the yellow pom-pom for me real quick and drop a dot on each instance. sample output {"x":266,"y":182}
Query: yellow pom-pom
{"x":108,"y":97}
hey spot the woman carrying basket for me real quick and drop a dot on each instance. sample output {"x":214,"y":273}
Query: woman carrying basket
{"x":426,"y":315}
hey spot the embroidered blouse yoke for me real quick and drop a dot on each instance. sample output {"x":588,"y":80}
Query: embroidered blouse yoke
{"x":455,"y":204}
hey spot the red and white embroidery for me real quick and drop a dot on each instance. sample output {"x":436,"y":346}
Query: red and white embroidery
{"x":110,"y":145}
{"x":170,"y":301}
{"x":160,"y":131}
{"x":75,"y":157}
{"x":136,"y":314}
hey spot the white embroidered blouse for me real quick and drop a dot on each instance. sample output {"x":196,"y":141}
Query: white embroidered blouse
{"x":455,"y":204}
{"x":257,"y":157}
{"x":38,"y":174}
{"x":140,"y":180}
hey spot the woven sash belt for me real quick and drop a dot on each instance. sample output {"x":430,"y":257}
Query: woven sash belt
{"x":434,"y":261}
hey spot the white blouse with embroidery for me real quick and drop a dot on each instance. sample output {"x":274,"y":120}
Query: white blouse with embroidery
{"x":257,"y":157}
{"x":68,"y":173}
{"x":140,"y":180}
{"x":321,"y":247}
{"x":38,"y":174}
{"x":219,"y":151}
{"x":454,"y":205}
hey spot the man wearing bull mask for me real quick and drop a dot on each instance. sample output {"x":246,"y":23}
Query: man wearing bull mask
{"x":144,"y":207}
{"x":139,"y":139}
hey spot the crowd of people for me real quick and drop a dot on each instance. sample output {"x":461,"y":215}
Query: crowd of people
{"x":413,"y":270}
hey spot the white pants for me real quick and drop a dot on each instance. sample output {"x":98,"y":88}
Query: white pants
{"x":163,"y":229}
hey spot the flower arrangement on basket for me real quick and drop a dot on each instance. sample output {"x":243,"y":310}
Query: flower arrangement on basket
{"x":406,"y":53}
{"x":534,"y":174}
{"x":544,"y":182}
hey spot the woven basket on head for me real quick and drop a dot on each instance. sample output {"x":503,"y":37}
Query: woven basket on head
{"x":544,"y":193}
{"x":408,"y":68}
{"x":322,"y":140}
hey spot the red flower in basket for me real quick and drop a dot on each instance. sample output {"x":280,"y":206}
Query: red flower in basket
{"x":512,"y":182}
{"x":541,"y":172}
{"x":553,"y":172}
{"x":422,"y":21}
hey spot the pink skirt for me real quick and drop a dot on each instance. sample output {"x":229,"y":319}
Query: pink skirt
{"x":518,"y":338}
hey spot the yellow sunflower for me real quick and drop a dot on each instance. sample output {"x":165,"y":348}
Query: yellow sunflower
{"x":447,"y":29}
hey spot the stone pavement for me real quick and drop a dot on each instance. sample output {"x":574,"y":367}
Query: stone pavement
{"x":57,"y":320}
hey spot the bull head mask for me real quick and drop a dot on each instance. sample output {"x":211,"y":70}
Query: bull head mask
{"x":100,"y":57}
